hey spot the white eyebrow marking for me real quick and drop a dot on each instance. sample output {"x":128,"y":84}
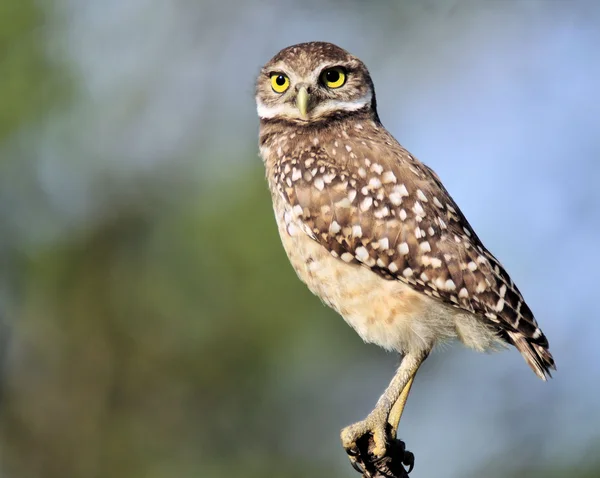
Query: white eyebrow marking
{"x":290,"y":110}
{"x":282,"y":109}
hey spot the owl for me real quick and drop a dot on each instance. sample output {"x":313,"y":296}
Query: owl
{"x":373,"y":232}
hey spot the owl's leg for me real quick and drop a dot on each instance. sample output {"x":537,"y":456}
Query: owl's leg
{"x":376,"y":422}
{"x":398,"y":408}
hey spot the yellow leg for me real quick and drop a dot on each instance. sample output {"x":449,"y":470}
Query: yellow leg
{"x":398,"y":408}
{"x":376,"y":422}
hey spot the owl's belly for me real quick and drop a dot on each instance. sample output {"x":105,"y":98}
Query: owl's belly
{"x":384,"y":312}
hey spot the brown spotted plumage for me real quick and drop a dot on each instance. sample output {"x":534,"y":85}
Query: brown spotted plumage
{"x":372,"y":230}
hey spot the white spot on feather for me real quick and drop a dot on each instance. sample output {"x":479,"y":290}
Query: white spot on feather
{"x":418,"y":209}
{"x":401,"y":189}
{"x":366,"y":203}
{"x":334,"y":227}
{"x":377,"y":168}
{"x":403,"y":248}
{"x":362,"y":254}
{"x":449,"y":285}
{"x":347,"y":257}
{"x":499,"y":305}
{"x":381,"y":213}
{"x":396,"y":199}
{"x":375,"y":183}
{"x":388,"y":177}
{"x":297,"y":210}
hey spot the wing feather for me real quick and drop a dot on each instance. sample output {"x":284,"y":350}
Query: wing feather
{"x":394,"y":216}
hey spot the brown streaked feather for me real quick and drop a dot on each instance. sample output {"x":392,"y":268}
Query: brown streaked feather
{"x":383,"y":208}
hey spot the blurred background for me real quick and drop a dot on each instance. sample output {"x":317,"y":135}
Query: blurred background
{"x":150,"y":324}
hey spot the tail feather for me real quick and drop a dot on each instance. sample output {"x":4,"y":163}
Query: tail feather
{"x":537,"y":355}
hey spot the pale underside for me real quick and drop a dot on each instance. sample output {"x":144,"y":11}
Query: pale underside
{"x":388,"y":313}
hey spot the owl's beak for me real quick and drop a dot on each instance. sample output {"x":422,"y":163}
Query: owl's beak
{"x":302,"y":101}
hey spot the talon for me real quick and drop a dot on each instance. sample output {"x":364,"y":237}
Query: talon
{"x":408,"y":461}
{"x":357,"y":466}
{"x":352,"y":451}
{"x":371,"y":425}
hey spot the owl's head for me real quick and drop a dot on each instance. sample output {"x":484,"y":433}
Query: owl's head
{"x":314,"y":82}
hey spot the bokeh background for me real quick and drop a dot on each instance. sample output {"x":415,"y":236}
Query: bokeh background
{"x":150,"y":325}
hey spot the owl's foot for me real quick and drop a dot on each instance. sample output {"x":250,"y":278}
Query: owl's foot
{"x":374,"y":425}
{"x":396,"y":463}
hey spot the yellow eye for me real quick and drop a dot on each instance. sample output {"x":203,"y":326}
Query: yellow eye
{"x":279,"y":82}
{"x":333,"y":77}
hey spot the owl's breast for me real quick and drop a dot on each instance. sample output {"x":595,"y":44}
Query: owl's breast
{"x":388,"y":313}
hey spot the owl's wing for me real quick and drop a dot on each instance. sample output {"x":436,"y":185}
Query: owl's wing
{"x":396,"y":218}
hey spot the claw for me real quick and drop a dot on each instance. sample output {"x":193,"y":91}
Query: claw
{"x":408,"y":460}
{"x":396,"y":463}
{"x":357,"y":466}
{"x":373,"y":425}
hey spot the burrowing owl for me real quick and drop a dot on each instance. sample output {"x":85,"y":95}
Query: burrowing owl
{"x":373,"y":232}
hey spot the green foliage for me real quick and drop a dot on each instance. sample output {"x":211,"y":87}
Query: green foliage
{"x":153,"y":332}
{"x":30,"y":83}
